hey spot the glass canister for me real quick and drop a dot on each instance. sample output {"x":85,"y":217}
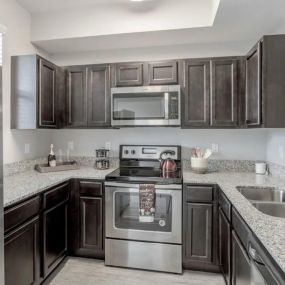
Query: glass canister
{"x":102,"y":159}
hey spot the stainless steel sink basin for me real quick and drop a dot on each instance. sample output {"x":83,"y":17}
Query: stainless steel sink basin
{"x":266,"y":194}
{"x":272,"y":209}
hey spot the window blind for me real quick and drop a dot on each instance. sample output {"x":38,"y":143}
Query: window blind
{"x":0,"y":49}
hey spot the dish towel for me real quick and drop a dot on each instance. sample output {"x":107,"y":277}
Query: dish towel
{"x":147,"y":203}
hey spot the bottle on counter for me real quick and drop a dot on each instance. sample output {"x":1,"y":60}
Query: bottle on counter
{"x":51,"y":157}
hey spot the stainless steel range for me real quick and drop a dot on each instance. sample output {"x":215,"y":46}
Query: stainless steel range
{"x":131,"y":241}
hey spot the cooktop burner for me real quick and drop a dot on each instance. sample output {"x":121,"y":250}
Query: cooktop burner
{"x":145,"y":175}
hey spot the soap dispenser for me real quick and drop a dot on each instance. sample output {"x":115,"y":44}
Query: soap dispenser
{"x":51,"y":157}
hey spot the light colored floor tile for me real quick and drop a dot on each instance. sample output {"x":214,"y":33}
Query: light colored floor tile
{"x":81,"y":271}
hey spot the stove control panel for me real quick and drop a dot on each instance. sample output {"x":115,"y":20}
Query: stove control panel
{"x":149,"y":152}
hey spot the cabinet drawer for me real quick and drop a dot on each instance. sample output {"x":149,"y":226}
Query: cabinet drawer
{"x":225,"y":205}
{"x":22,"y":212}
{"x":199,"y":193}
{"x":90,"y":188}
{"x":56,"y":196}
{"x":240,"y":228}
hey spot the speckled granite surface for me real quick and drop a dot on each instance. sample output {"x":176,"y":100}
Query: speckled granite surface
{"x":23,"y":185}
{"x":270,"y":230}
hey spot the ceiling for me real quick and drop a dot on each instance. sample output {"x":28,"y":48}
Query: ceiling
{"x":60,"y":26}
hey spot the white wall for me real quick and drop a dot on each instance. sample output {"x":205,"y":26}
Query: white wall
{"x":233,"y":144}
{"x":17,"y":41}
{"x":276,"y":146}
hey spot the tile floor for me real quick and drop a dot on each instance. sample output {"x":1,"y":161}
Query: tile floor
{"x":81,"y":271}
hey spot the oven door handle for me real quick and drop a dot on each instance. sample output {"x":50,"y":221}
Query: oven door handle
{"x":136,"y":186}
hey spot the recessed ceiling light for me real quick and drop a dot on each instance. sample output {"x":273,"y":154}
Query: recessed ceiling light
{"x":136,"y":0}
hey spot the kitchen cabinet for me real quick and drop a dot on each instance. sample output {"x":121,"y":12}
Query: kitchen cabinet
{"x":37,"y":92}
{"x":99,"y":96}
{"x":22,"y":242}
{"x":253,"y":87}
{"x":89,"y":232}
{"x":211,"y":93}
{"x":196,"y":99}
{"x":164,"y":72}
{"x":225,"y":246}
{"x":77,"y":96}
{"x":129,"y":74}
{"x":240,"y":263}
{"x":265,"y":86}
{"x":88,"y":96}
{"x":55,"y":220}
{"x":224,"y":93}
{"x":200,"y":228}
{"x":22,"y":255}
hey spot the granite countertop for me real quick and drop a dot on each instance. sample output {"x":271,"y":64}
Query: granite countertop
{"x":20,"y":186}
{"x":270,"y":230}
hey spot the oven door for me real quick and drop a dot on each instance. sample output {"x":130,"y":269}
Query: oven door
{"x":146,"y":106}
{"x":122,"y":215}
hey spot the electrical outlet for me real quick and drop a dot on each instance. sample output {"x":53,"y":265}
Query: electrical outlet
{"x":108,"y":145}
{"x":70,"y":145}
{"x":215,"y":148}
{"x":27,"y":148}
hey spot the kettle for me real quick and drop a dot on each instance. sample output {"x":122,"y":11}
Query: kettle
{"x":168,"y":164}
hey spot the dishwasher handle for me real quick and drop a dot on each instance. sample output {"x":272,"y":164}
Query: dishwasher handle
{"x":254,"y":255}
{"x":261,"y":267}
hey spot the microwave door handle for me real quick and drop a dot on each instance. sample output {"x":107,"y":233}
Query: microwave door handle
{"x":166,"y":105}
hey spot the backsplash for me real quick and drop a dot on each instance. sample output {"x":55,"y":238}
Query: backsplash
{"x":276,"y":170}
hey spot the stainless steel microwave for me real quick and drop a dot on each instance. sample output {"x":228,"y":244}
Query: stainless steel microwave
{"x":146,"y":106}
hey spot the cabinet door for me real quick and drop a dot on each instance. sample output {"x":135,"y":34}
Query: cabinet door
{"x":129,"y":74}
{"x":91,"y":226}
{"x":240,"y":263}
{"x":253,"y":88}
{"x":54,"y":237}
{"x":47,"y":94}
{"x":225,"y":246}
{"x":197,"y":94}
{"x":77,"y":97}
{"x":22,"y":260}
{"x":99,"y":101}
{"x":160,"y":73}
{"x":198,"y":232}
{"x":224,"y":95}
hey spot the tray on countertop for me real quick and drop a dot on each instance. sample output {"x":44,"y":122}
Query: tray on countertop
{"x":60,"y":166}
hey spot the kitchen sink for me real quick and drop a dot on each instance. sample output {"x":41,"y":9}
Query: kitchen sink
{"x":272,"y":209}
{"x":266,"y":194}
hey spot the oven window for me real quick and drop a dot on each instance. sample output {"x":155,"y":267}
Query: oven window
{"x":139,"y":106}
{"x":127,"y":213}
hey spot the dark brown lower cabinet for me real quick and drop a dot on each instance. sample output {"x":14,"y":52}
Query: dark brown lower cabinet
{"x":22,"y":254}
{"x":240,"y":263}
{"x":199,"y":232}
{"x":54,"y":236}
{"x":91,"y":226}
{"x":225,"y":246}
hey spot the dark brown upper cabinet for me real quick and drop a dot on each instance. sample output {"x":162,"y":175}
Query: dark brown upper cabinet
{"x":129,"y":74}
{"x":265,"y":85}
{"x":195,"y":110}
{"x":164,"y":72}
{"x":99,"y":100}
{"x":47,"y":94}
{"x":211,"y":93}
{"x":36,"y":93}
{"x":253,"y":87}
{"x":88,"y":96}
{"x":77,"y":96}
{"x":224,"y":93}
